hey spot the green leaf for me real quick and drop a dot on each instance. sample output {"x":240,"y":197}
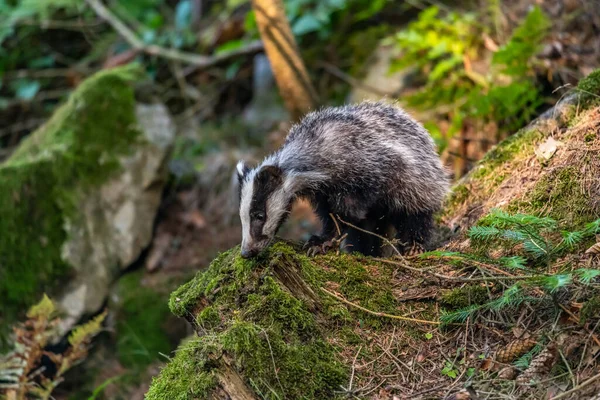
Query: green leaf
{"x":429,"y":336}
{"x":26,"y":89}
{"x":305,"y":24}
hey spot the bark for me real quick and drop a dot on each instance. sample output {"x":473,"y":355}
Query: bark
{"x":288,"y":68}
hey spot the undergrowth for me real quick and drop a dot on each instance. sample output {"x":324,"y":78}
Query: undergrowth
{"x":470,"y":80}
{"x":534,"y":245}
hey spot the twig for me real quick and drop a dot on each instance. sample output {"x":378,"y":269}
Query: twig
{"x":377,"y":313}
{"x":353,"y":369}
{"x":458,"y":278}
{"x":577,"y":388}
{"x":386,"y":240}
{"x":199,"y":61}
{"x":337,"y":227}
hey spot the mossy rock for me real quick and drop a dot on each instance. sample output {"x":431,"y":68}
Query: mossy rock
{"x":59,"y":197}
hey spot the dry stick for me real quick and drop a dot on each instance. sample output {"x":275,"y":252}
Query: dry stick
{"x":577,"y":388}
{"x":377,"y":313}
{"x":134,"y":41}
{"x":457,"y":278}
{"x":386,"y":240}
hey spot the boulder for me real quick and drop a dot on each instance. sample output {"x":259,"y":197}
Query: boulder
{"x":79,"y":196}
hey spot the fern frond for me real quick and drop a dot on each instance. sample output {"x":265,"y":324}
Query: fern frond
{"x":514,"y":262}
{"x":44,"y":309}
{"x":84,"y":333}
{"x":587,"y":275}
{"x":484,"y":233}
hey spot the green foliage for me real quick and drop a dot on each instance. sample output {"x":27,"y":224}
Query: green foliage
{"x":440,"y":46}
{"x":533,"y":233}
{"x":538,"y":238}
{"x":449,"y":370}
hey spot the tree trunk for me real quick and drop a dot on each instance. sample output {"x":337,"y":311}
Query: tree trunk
{"x":288,"y":68}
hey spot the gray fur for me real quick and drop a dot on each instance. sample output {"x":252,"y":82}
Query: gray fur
{"x":359,"y":160}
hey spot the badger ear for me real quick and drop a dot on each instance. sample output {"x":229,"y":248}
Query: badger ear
{"x":242,"y":170}
{"x":270,"y":175}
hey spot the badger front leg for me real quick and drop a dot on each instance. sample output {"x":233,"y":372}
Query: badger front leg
{"x":326,"y":240}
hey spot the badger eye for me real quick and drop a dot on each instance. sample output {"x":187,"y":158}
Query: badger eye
{"x":259,"y":216}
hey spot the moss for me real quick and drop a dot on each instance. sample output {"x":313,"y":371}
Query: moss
{"x":562,"y":198}
{"x":465,"y":296}
{"x":590,"y":85}
{"x":189,"y":375}
{"x":282,"y":348}
{"x":489,"y":172}
{"x":40,"y":184}
{"x":142,"y":311}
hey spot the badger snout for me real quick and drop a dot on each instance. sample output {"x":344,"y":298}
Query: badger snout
{"x":249,"y":253}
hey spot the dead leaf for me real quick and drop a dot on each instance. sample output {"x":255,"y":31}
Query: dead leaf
{"x":546,"y":150}
{"x":595,"y":249}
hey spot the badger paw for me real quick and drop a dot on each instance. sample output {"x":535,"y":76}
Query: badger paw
{"x":317,"y":245}
{"x":413,"y":250}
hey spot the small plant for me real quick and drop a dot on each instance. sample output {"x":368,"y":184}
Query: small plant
{"x":22,"y":375}
{"x":534,"y":234}
{"x":445,"y":50}
{"x":449,"y":370}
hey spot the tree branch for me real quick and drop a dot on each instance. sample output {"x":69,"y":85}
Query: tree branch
{"x":199,"y":61}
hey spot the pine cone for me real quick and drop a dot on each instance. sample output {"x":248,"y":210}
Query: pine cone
{"x":514,"y":350}
{"x":540,"y":365}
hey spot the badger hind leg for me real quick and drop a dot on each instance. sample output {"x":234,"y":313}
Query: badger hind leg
{"x":366,"y":240}
{"x":413,"y":231}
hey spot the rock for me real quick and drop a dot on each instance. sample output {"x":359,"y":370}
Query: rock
{"x":79,"y":196}
{"x":378,"y":82}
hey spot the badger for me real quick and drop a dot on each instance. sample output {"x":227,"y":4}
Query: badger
{"x":370,"y":164}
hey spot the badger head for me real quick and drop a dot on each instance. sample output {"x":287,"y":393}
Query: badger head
{"x":266,"y":196}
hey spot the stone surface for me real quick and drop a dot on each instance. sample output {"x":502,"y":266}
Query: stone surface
{"x":79,"y":196}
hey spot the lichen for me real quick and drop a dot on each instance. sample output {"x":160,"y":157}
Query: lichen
{"x":40,"y":184}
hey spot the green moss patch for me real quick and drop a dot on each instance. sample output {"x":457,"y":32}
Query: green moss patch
{"x":40,"y":184}
{"x":269,"y":317}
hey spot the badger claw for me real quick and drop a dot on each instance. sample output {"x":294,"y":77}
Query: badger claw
{"x":317,"y":245}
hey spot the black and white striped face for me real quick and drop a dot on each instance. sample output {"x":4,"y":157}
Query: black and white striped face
{"x":265,"y":201}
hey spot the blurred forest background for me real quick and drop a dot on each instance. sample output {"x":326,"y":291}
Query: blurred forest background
{"x":472,"y":71}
